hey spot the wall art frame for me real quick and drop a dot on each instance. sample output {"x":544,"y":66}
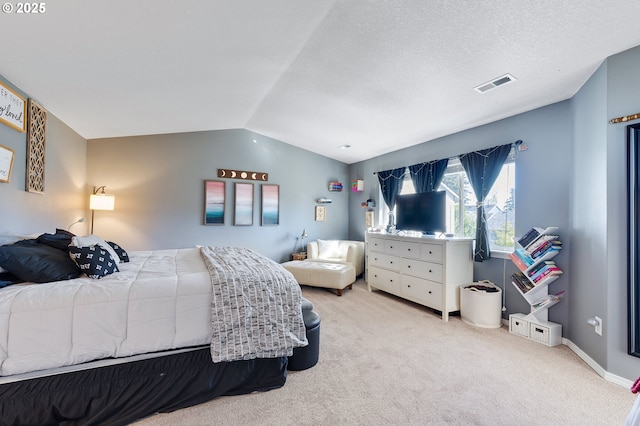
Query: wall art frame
{"x":270,"y":205}
{"x":214,"y":202}
{"x":243,"y":204}
{"x":6,"y":163}
{"x":321,"y":213}
{"x":633,"y":239}
{"x":13,"y":109}
{"x":36,"y":148}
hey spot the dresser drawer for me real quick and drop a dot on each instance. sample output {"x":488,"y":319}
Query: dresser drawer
{"x":427,"y":292}
{"x":376,"y":244}
{"x":402,"y":248}
{"x":432,"y":252}
{"x":384,"y":279}
{"x":421,"y":269}
{"x":384,"y":261}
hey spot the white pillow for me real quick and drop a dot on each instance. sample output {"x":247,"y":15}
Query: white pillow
{"x":328,"y":249}
{"x":89,"y":240}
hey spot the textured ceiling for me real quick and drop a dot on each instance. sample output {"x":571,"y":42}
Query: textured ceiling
{"x":377,"y":75}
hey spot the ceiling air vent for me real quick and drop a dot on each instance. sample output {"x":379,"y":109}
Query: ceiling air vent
{"x":507,"y":78}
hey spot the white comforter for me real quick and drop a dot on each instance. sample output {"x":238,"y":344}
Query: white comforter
{"x":159,"y":300}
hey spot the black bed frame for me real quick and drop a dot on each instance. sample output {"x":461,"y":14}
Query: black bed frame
{"x":120,"y":394}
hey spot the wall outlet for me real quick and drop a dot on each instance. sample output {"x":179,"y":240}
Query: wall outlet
{"x":598,"y":326}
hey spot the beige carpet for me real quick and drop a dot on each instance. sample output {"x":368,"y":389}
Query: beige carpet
{"x":385,"y":361}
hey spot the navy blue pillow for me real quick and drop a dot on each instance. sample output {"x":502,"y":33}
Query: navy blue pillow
{"x":122,"y":254}
{"x":60,"y":240}
{"x":93,"y":260}
{"x":37,"y":263}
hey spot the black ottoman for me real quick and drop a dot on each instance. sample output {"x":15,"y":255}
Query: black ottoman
{"x":307,"y":356}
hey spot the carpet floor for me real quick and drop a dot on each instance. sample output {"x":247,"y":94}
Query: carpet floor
{"x":386,"y":361}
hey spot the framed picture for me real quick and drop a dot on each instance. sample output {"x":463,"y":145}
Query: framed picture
{"x":270,"y":205}
{"x":6,"y":163}
{"x":321,"y":213}
{"x":214,"y":197}
{"x":243,"y":202}
{"x":13,"y":109}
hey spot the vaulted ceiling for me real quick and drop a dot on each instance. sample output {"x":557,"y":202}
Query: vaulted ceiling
{"x":318,"y":74}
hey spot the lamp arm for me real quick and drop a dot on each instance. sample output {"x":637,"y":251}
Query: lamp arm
{"x":96,"y":189}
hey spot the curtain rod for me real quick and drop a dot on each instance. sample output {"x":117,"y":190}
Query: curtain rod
{"x":516,"y":143}
{"x":625,"y":118}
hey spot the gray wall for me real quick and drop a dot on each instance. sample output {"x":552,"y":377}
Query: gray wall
{"x":63,"y":200}
{"x":589,"y":218}
{"x":542,"y":186}
{"x":623,"y":98}
{"x":158,"y":182}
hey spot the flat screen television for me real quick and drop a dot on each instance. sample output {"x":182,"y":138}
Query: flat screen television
{"x":424,"y":212}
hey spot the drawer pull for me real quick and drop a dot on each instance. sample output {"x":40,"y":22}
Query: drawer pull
{"x":430,"y":252}
{"x":408,"y":285}
{"x":408,"y":266}
{"x":430,"y":271}
{"x":429,"y":291}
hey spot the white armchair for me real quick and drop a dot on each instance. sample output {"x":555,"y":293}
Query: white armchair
{"x":338,"y":251}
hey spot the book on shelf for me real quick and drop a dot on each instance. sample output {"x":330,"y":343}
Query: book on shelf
{"x":543,"y":241}
{"x":547,"y":300}
{"x":544,"y":248}
{"x":521,"y":257}
{"x":521,"y":281}
{"x":540,"y":266}
{"x":533,"y":234}
{"x":518,"y":262}
{"x":546,"y":273}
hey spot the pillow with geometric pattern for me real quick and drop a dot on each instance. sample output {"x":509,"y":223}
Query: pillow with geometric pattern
{"x":93,"y":260}
{"x":122,"y":253}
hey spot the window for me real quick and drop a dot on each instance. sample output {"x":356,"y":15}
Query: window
{"x":461,"y":204}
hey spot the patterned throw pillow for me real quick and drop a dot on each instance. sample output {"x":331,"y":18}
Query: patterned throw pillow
{"x":93,"y":260}
{"x":122,"y":254}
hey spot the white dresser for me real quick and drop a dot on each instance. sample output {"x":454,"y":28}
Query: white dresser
{"x":425,"y":270}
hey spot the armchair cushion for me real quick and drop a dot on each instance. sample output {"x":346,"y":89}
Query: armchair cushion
{"x":338,"y":251}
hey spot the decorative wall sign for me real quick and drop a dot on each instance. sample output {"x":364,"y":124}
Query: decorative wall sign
{"x":242,"y":174}
{"x":6,"y":163}
{"x":243,"y":214}
{"x":270,"y":205}
{"x":321,"y":213}
{"x":214,"y":197}
{"x":36,"y":138}
{"x":13,"y":108}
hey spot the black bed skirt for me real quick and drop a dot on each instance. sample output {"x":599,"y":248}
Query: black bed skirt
{"x":122,"y":393}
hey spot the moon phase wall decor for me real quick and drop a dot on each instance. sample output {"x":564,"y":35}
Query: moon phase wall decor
{"x":243,"y":174}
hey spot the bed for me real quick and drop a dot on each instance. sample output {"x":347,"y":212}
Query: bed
{"x":164,"y":330}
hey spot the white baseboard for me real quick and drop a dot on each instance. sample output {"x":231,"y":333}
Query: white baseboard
{"x":590,"y":362}
{"x":596,"y":367}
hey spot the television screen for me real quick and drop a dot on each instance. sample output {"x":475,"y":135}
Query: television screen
{"x":424,"y":212}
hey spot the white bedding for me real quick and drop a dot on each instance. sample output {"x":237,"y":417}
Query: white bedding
{"x":160,"y":300}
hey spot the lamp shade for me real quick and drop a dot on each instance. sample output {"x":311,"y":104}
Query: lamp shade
{"x":102,"y":202}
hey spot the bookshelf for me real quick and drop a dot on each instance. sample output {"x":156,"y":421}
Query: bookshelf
{"x":533,"y":257}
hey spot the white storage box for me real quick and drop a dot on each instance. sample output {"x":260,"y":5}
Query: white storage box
{"x":481,"y":304}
